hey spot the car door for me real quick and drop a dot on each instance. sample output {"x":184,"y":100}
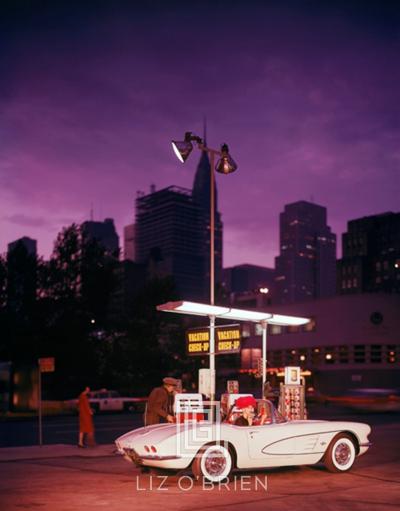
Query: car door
{"x":115,"y":401}
{"x":103,"y":401}
{"x":270,"y":444}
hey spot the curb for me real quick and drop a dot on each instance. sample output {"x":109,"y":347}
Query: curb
{"x":35,"y":452}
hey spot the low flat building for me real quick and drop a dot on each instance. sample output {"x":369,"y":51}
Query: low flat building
{"x":352,"y":341}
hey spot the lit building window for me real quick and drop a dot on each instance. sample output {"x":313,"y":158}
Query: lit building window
{"x":391,"y":355}
{"x":329,"y":355}
{"x":246,"y":330}
{"x":275,"y":329}
{"x":249,"y":357}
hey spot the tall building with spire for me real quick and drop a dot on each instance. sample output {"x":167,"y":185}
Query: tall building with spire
{"x":173,"y":234}
{"x":201,"y":197}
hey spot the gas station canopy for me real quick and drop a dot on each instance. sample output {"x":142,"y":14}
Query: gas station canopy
{"x":204,"y":309}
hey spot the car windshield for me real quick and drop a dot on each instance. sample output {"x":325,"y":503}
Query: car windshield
{"x":266,"y":408}
{"x":279,"y":418}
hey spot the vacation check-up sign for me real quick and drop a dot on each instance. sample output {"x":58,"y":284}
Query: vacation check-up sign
{"x":227,"y":340}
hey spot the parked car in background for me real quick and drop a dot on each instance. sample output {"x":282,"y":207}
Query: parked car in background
{"x":104,"y":400}
{"x":369,"y":399}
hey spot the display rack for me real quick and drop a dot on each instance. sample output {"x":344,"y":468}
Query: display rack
{"x":292,"y":402}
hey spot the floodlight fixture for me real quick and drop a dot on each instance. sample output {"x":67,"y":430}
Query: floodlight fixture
{"x":226,"y":164}
{"x":183,"y":148}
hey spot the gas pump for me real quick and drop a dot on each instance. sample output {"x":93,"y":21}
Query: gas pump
{"x":292,"y":402}
{"x":229,"y":397}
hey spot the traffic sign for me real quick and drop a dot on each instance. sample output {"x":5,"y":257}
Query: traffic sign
{"x":46,"y":365}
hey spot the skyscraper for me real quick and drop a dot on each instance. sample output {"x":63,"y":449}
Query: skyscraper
{"x":248,"y":278}
{"x":129,"y":242}
{"x":29,"y":245}
{"x":370,"y":255}
{"x":104,"y":233}
{"x":173,"y":234}
{"x":21,"y":274}
{"x":201,"y":197}
{"x":306,"y":266}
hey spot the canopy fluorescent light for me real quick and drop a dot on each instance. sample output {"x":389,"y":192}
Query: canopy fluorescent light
{"x":203,"y":309}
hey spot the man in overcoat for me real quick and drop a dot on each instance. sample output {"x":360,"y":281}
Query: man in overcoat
{"x":160,"y":403}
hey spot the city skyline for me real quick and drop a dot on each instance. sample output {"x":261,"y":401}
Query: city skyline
{"x":305,"y":94}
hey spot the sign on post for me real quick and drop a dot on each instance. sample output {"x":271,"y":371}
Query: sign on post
{"x":292,"y":375}
{"x":227,"y":340}
{"x":45,"y":365}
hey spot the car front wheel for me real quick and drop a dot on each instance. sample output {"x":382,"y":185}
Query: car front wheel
{"x":341,"y":454}
{"x":213,"y":462}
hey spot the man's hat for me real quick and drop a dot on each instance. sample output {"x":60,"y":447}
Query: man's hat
{"x":245,"y":401}
{"x":170,"y":381}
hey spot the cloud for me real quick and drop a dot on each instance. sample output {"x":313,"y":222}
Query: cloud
{"x":28,"y":221}
{"x":308,"y":102}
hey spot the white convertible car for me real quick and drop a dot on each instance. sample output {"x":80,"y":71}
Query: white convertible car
{"x":213,"y":450}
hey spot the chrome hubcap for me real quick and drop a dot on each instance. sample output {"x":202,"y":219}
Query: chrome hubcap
{"x":215,"y":463}
{"x":342,"y":453}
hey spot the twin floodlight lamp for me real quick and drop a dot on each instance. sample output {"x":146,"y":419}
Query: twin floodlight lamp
{"x":182,"y":149}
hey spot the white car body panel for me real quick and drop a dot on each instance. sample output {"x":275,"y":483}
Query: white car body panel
{"x":269,"y":445}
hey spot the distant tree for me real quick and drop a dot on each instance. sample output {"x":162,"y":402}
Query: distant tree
{"x":139,"y":356}
{"x":61,"y":276}
{"x":75,"y":288}
{"x":21,"y":281}
{"x":79,"y":273}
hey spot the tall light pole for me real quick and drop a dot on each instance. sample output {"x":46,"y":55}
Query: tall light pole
{"x":225,"y":165}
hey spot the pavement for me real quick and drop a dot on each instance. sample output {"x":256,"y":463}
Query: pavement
{"x":63,"y":477}
{"x":36,"y":452}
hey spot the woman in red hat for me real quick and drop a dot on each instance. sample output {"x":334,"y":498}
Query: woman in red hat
{"x":247,"y":404}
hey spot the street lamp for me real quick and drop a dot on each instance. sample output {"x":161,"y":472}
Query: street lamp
{"x":225,"y":165}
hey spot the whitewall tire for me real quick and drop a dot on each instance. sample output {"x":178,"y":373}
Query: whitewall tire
{"x":341,"y":453}
{"x":213,"y":462}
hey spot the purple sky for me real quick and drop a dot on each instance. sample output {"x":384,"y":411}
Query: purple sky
{"x":307,"y":96}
